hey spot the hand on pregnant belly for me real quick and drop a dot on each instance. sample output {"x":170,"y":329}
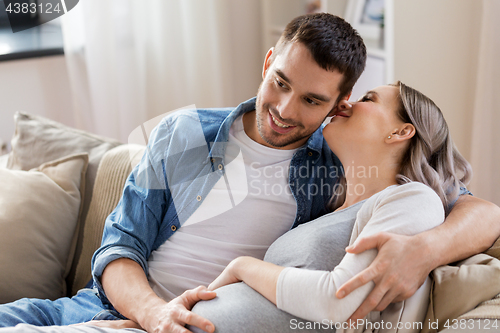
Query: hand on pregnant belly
{"x":172,"y":316}
{"x":228,"y":276}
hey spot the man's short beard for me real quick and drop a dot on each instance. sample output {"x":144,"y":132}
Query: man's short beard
{"x":262,"y":111}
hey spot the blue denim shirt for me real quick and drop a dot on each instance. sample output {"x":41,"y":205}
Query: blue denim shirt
{"x":183,"y":161}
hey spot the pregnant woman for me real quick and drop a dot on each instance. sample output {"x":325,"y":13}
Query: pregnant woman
{"x":402,"y":173}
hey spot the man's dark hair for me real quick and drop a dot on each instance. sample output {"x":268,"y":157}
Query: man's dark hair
{"x":333,"y":43}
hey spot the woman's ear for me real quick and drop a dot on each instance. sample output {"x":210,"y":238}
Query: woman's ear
{"x":267,"y":62}
{"x":403,"y":133}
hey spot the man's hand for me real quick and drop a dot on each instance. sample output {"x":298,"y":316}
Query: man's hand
{"x":400,"y":268}
{"x":172,"y":316}
{"x":141,"y":304}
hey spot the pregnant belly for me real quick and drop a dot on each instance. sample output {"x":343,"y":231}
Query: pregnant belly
{"x":239,"y":308}
{"x":317,"y":245}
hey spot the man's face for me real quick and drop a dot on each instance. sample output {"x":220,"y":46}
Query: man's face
{"x":294,"y":98}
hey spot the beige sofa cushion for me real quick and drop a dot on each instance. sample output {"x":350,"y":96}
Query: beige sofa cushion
{"x":113,"y":171}
{"x":460,"y":288}
{"x":38,"y":140}
{"x":488,"y":309}
{"x":39,"y":212}
{"x":494,"y":251}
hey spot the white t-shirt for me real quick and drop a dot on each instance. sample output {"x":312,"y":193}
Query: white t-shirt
{"x":248,"y":209}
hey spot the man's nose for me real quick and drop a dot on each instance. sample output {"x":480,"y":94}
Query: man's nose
{"x":344,"y":105}
{"x":286,"y":108}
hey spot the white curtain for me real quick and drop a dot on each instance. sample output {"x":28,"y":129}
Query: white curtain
{"x":131,"y":60}
{"x":485,"y":156}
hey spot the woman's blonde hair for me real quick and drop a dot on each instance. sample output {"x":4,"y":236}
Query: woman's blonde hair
{"x":431,"y":157}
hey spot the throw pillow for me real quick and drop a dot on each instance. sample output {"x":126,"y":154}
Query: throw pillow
{"x":114,"y":170}
{"x":494,"y":251}
{"x":38,"y":140}
{"x":39,"y":212}
{"x":460,"y":288}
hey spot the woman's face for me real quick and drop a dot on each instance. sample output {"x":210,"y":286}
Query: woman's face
{"x":365,"y":124}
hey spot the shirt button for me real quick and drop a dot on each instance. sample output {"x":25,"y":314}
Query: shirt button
{"x":198,"y":198}
{"x":212,"y":159}
{"x":310,"y":154}
{"x":173,"y":228}
{"x":220,"y":166}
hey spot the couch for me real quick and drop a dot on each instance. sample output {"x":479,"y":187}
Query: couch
{"x":58,"y":267}
{"x":49,"y":249}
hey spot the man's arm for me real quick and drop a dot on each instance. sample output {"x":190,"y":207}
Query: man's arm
{"x":140,"y":303}
{"x":403,"y":262}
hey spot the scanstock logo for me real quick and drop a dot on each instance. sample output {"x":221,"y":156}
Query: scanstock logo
{"x":27,"y":14}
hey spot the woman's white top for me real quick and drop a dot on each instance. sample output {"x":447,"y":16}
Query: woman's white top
{"x":406,"y":209}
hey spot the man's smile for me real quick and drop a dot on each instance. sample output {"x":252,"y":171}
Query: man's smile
{"x":278,"y":123}
{"x":278,"y":126}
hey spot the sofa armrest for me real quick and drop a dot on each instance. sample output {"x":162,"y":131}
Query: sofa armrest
{"x":489,"y":309}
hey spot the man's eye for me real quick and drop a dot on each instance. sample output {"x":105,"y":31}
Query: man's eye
{"x":279,"y":83}
{"x":310,"y":101}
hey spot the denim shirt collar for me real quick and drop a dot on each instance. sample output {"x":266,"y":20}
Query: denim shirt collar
{"x":314,"y":143}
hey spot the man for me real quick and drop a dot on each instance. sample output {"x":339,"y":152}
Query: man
{"x":167,"y":235}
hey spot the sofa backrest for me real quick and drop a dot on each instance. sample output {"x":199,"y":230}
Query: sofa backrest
{"x":112,"y":173}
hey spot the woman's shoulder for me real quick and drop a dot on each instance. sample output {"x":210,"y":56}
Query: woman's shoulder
{"x":411,"y":192}
{"x":404,"y":205}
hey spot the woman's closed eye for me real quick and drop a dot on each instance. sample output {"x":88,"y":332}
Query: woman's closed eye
{"x":366,"y":98}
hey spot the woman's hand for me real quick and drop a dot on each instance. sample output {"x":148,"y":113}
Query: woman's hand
{"x":116,"y":324}
{"x":260,"y":275}
{"x":228,"y":276}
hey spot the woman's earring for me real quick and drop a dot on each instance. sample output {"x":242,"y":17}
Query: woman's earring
{"x":389,"y":137}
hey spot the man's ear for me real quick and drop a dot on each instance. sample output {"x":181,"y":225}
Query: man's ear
{"x":267,"y":62}
{"x":336,"y":107}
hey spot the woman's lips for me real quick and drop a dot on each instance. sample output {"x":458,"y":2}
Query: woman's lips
{"x":338,"y":115}
{"x":341,"y":114}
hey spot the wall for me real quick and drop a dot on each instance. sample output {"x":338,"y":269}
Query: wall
{"x":436,"y":46}
{"x":436,"y":51}
{"x":38,"y":86}
{"x":336,"y":7}
{"x":41,"y":86}
{"x":276,"y":14}
{"x":246,"y":55}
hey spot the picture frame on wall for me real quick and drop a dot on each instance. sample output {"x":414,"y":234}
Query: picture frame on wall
{"x":367,"y":17}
